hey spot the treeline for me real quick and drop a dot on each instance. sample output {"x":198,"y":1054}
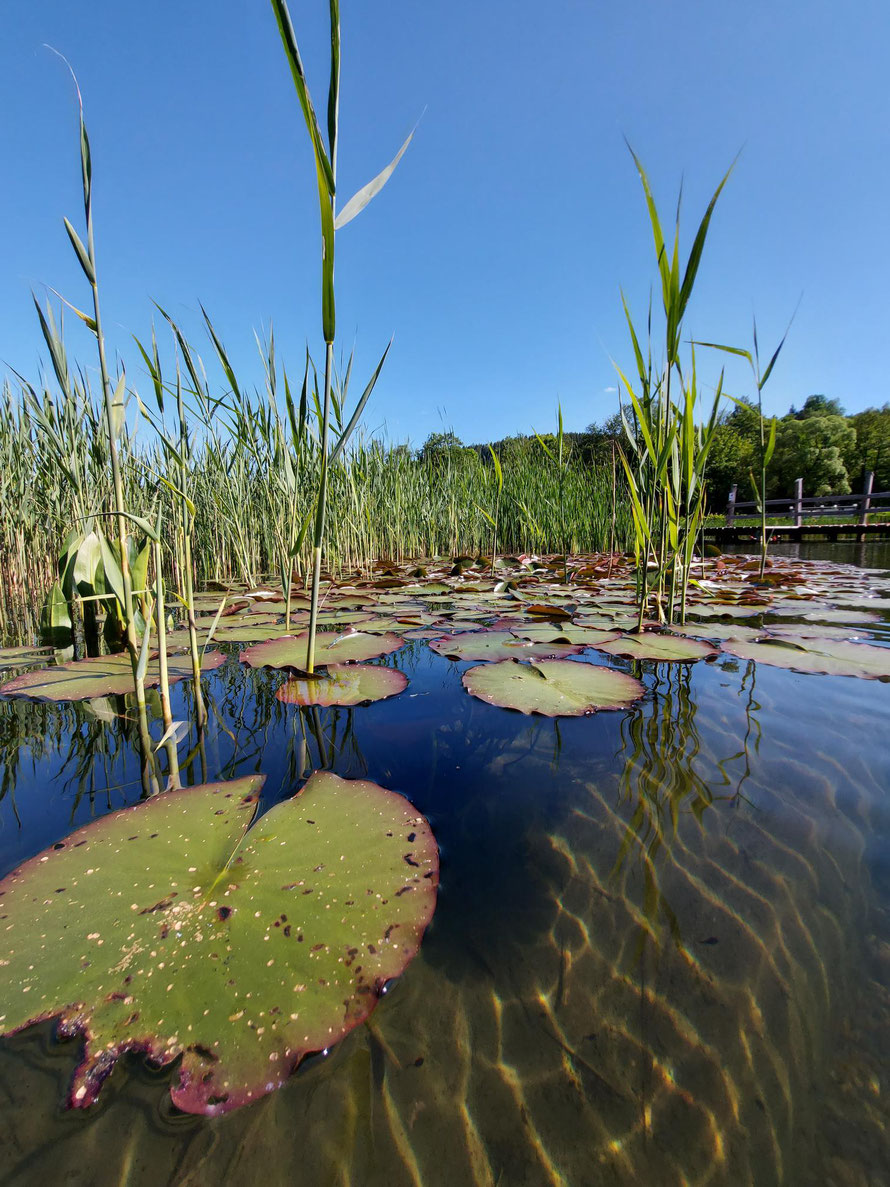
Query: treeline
{"x":819,"y":443}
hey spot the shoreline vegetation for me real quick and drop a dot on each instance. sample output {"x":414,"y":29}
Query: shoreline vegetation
{"x":384,"y":501}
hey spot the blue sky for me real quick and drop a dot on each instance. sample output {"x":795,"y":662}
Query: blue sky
{"x":497,"y":252}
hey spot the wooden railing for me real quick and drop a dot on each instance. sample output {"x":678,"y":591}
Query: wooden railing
{"x":798,"y":508}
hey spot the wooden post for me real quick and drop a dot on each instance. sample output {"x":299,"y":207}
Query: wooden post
{"x":798,"y":502}
{"x":730,"y":505}
{"x":865,"y":501}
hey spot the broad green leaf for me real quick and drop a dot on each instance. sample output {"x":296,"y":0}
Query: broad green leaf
{"x":290,"y":651}
{"x":170,"y":929}
{"x":344,"y":684}
{"x":496,"y":645}
{"x":554,"y":688}
{"x":661,"y":648}
{"x":82,"y":254}
{"x":99,"y":676}
{"x":832,"y":657}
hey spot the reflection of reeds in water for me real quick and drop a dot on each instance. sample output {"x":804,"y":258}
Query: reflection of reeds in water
{"x":565,"y":1054}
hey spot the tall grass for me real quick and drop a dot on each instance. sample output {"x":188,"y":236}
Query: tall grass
{"x":666,"y":443}
{"x":231,"y":500}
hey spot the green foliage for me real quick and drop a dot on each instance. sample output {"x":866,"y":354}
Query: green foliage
{"x":812,"y":449}
{"x":872,"y":447}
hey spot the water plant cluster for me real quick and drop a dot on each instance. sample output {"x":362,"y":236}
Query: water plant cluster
{"x":198,"y":529}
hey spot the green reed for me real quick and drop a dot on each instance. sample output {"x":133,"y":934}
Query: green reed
{"x":666,"y":448}
{"x":325,"y":159}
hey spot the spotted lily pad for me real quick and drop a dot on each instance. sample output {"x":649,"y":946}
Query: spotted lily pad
{"x":290,"y":651}
{"x":661,"y":648}
{"x":100,"y":676}
{"x":497,"y":645}
{"x":830,"y":657}
{"x":554,"y":688}
{"x":170,"y":929}
{"x":344,"y":684}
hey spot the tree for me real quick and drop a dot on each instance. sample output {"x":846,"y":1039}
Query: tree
{"x":818,"y":406}
{"x":732,"y":459}
{"x":812,"y":449}
{"x":872,"y":448}
{"x":441,"y":447}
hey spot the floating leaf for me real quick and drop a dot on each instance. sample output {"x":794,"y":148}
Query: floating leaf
{"x":344,"y":684}
{"x":497,"y":645}
{"x":330,"y":648}
{"x":586,"y":636}
{"x":661,"y":648}
{"x":554,"y":688}
{"x":829,"y":657}
{"x":100,"y":676}
{"x":22,"y":657}
{"x":165,"y":929}
{"x":725,"y":610}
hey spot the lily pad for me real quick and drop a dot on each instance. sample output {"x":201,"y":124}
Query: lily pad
{"x":497,"y":645}
{"x":169,"y":929}
{"x":828,"y":657}
{"x":100,"y":676}
{"x":290,"y":651}
{"x":554,"y":688}
{"x":661,"y":648}
{"x":585,"y":636}
{"x":22,"y":657}
{"x":344,"y":684}
{"x":725,"y":610}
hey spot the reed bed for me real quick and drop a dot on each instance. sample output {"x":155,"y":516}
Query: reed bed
{"x":249,"y":462}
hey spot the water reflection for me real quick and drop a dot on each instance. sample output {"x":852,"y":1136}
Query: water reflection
{"x":648,"y":922}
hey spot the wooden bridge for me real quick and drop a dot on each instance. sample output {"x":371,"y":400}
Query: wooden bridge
{"x":853,"y":509}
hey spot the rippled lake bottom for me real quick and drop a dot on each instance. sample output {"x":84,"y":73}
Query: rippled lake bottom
{"x":661,"y":953}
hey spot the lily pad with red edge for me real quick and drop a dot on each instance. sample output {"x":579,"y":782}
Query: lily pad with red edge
{"x":553,"y":688}
{"x":252,"y":634}
{"x":22,"y":657}
{"x":205,"y":621}
{"x":721,"y":630}
{"x":497,"y":645}
{"x":813,"y":630}
{"x":827,"y":657}
{"x":170,"y":929}
{"x":100,"y":676}
{"x":291,"y":651}
{"x":725,"y":610}
{"x":567,"y":632}
{"x":344,"y":684}
{"x":661,"y":648}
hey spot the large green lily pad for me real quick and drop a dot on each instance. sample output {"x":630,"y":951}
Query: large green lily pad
{"x":554,"y":688}
{"x":344,"y":684}
{"x":100,"y":676}
{"x":566,"y":632}
{"x":828,"y":657}
{"x":496,"y":645}
{"x":165,"y":929}
{"x":661,"y":648}
{"x":291,"y":651}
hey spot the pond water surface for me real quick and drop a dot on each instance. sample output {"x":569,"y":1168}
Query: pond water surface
{"x":661,"y":952}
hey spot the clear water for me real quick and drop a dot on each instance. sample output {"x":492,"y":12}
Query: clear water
{"x":661,"y":953}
